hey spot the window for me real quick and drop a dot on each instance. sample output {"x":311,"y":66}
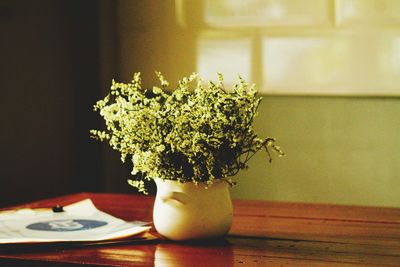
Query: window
{"x":323,"y":47}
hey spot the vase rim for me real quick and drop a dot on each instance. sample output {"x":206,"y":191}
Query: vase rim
{"x":214,"y":181}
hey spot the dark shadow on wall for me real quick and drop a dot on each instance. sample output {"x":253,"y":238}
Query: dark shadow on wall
{"x":49,"y":81}
{"x":57,"y":58}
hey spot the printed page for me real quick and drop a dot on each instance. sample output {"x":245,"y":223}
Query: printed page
{"x":80,"y":221}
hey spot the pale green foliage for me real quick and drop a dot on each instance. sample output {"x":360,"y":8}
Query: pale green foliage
{"x":194,"y":133}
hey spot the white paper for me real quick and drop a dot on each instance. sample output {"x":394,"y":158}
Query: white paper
{"x":79,"y":222}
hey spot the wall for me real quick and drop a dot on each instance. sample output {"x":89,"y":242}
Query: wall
{"x":58,"y":58}
{"x":339,"y":150}
{"x":49,"y":81}
{"x":338,"y":126}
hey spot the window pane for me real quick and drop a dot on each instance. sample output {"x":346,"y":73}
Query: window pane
{"x":367,"y":12}
{"x":336,"y":63}
{"x":231,"y":56}
{"x":254,"y":13}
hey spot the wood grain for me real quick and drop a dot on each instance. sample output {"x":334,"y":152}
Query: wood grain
{"x":262,"y":234}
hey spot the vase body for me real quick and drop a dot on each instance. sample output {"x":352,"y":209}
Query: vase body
{"x":184,"y":211}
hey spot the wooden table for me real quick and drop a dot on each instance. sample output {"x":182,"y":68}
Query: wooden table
{"x":263,"y":234}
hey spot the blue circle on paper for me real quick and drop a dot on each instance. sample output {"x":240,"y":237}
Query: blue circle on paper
{"x":66,"y":225}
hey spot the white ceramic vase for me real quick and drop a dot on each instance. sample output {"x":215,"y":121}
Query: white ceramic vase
{"x":184,"y":211}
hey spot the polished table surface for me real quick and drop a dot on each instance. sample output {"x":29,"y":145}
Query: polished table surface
{"x":263,"y":234}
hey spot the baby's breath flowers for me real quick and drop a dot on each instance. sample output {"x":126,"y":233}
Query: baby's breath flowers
{"x":194,"y":133}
